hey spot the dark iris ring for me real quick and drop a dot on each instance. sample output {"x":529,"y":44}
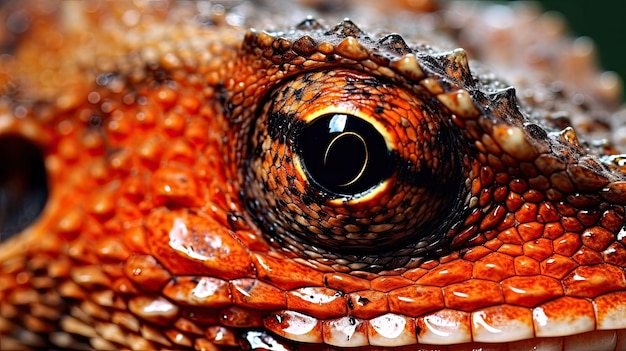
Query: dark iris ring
{"x":343,"y":154}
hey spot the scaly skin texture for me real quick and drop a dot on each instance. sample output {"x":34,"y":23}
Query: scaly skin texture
{"x":182,"y":214}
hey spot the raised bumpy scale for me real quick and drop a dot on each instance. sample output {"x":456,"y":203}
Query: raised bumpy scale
{"x":242,"y":176}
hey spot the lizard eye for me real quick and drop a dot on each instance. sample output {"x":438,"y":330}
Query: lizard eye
{"x":343,"y":154}
{"x":344,"y":166}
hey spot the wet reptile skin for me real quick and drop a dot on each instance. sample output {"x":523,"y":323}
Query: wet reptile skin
{"x":181,"y":215}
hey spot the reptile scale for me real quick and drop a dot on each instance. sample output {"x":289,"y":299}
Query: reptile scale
{"x":279,"y":176}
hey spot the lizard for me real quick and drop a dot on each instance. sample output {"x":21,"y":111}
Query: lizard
{"x":270,"y":176}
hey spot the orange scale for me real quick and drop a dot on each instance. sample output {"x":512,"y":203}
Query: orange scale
{"x":533,"y":195}
{"x":517,"y":185}
{"x":134,"y":187}
{"x":90,"y":277}
{"x":472,"y":294}
{"x":154,"y":309}
{"x":538,"y":249}
{"x":486,"y":175}
{"x":367,"y":304}
{"x":186,"y":326}
{"x":388,"y":283}
{"x":197,"y":317}
{"x":495,"y":267}
{"x":345,"y":282}
{"x":615,"y":254}
{"x":610,"y":311}
{"x":190,"y":102}
{"x":222,"y":336}
{"x":612,"y":220}
{"x":567,"y":244}
{"x":189,"y":244}
{"x":173,"y":123}
{"x":444,"y":327}
{"x":197,"y":132}
{"x":557,"y":266}
{"x":510,"y":236}
{"x":102,"y":204}
{"x":135,"y":240}
{"x":586,"y":256}
{"x":415,"y":300}
{"x":239,"y":317}
{"x":548,"y":213}
{"x":504,"y":323}
{"x":93,"y":143}
{"x":553,"y":230}
{"x":511,"y":250}
{"x":597,"y":238}
{"x":476,"y":186}
{"x":124,"y":286}
{"x":120,"y":162}
{"x":501,"y":194}
{"x":415,"y":273}
{"x":127,"y":213}
{"x":285,"y":273}
{"x":80,"y":249}
{"x":592,"y":281}
{"x":295,"y":326}
{"x":588,"y":218}
{"x":181,"y":152}
{"x":529,"y":291}
{"x":165,"y":96}
{"x":68,"y":150}
{"x":564,"y":316}
{"x":504,"y":178}
{"x":473,"y":217}
{"x":146,"y":118}
{"x":147,"y":274}
{"x":253,"y":241}
{"x":111,"y":249}
{"x":391,"y":330}
{"x":527,"y":213}
{"x":493,"y":217}
{"x":172,"y":185}
{"x":493,"y":244}
{"x":475,"y":253}
{"x":318,"y":302}
{"x":572,"y":224}
{"x":514,"y":201}
{"x":448,"y":273}
{"x":345,"y":332}
{"x":199,"y":291}
{"x":530,"y":231}
{"x":120,"y":128}
{"x":149,"y":152}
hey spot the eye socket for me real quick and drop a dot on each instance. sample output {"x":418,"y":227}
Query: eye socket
{"x":347,"y":169}
{"x":344,"y":154}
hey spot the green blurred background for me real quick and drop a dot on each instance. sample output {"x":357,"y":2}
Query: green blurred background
{"x":602,"y":20}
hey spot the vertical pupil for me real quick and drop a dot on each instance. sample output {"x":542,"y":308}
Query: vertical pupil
{"x":343,"y":154}
{"x":345,"y":158}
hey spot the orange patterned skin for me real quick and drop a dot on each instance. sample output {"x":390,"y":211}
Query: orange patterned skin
{"x":182,"y":213}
